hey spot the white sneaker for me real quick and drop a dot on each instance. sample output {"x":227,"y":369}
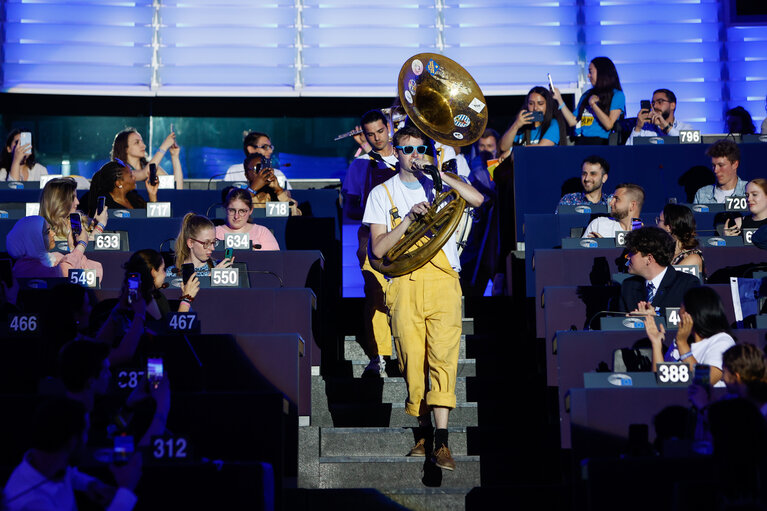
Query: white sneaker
{"x":376,"y":367}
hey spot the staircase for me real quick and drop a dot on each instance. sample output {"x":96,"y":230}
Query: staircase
{"x":359,"y":435}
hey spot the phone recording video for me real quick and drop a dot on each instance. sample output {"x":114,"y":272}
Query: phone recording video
{"x":154,"y":371}
{"x":75,"y":224}
{"x":645,"y":104}
{"x":100,"y":205}
{"x":702,"y":375}
{"x":551,"y":84}
{"x":123,"y":449}
{"x":134,"y":283}
{"x":229,"y":253}
{"x":152,"y":174}
{"x":187,"y":270}
{"x":537,"y":116}
{"x":25,"y":138}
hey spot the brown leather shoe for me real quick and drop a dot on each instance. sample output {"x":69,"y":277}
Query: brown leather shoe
{"x":419,"y":449}
{"x":443,"y":459}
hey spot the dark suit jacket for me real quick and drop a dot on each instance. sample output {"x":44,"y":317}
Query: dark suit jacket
{"x":670,"y":292}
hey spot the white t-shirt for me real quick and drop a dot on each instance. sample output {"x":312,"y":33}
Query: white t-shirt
{"x":720,"y":194}
{"x":706,"y":351}
{"x":604,"y":226}
{"x":378,"y":206}
{"x":34,"y":173}
{"x":237,"y":173}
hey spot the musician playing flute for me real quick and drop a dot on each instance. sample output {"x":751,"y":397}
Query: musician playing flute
{"x":425,"y":305}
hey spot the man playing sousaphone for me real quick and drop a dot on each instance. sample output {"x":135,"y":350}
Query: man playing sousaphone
{"x":424,"y":304}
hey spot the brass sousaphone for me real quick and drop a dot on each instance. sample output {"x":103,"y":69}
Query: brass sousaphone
{"x":447,"y":105}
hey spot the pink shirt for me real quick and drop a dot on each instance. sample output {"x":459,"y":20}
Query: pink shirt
{"x":29,"y":267}
{"x":258,"y":234}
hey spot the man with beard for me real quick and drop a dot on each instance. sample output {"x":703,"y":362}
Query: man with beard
{"x":625,"y":205}
{"x":660,"y":120}
{"x":364,"y":174}
{"x":593,"y":177}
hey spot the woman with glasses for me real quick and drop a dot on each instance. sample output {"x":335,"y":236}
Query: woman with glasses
{"x":17,"y":162}
{"x":679,"y":222}
{"x":117,"y":184}
{"x":599,"y":108}
{"x":194,"y":244}
{"x":525,"y":130}
{"x":239,"y":205}
{"x":129,"y":148}
{"x":263,"y":184}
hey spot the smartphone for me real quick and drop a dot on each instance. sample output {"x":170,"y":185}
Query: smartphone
{"x":134,"y":283}
{"x":702,"y":375}
{"x":537,"y":116}
{"x":645,"y":104}
{"x":229,"y":253}
{"x":25,"y":137}
{"x":187,"y":270}
{"x":123,"y":449}
{"x":74,"y":222}
{"x":152,"y":174}
{"x":171,"y":128}
{"x":154,"y":371}
{"x":5,"y":272}
{"x":551,"y":84}
{"x":100,"y":205}
{"x":636,"y":223}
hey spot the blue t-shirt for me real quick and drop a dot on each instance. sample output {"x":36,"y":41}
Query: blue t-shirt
{"x":535,"y":134}
{"x":589,"y":125}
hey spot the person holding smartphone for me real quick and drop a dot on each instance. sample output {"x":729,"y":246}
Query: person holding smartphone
{"x":194,"y":244}
{"x":17,"y":161}
{"x":538,"y":123}
{"x":238,"y":205}
{"x":263,"y":184}
{"x":599,"y":108}
{"x":29,"y":242}
{"x":656,"y":118}
{"x":117,"y":184}
{"x":129,"y":147}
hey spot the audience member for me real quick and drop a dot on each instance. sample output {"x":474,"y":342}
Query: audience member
{"x":485,"y":149}
{"x":703,"y":335}
{"x":47,"y":478}
{"x":679,"y":222}
{"x":194,"y":244}
{"x":117,"y":184}
{"x":365,"y":173}
{"x":525,"y":131}
{"x":239,"y":206}
{"x":660,"y":120}
{"x":594,"y":170}
{"x":725,"y":159}
{"x":756,"y":193}
{"x":129,"y":149}
{"x":625,"y":205}
{"x":739,"y":121}
{"x":258,"y":143}
{"x":744,"y":372}
{"x":57,"y":202}
{"x":655,"y":283}
{"x":264,"y":186}
{"x":17,"y":163}
{"x":29,"y":242}
{"x":599,"y":108}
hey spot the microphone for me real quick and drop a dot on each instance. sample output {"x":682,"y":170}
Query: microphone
{"x":214,"y":176}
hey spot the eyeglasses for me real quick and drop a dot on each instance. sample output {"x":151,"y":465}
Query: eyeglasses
{"x":660,"y":101}
{"x":408,"y":149}
{"x":265,"y":146}
{"x":237,"y":212}
{"x":206,"y":244}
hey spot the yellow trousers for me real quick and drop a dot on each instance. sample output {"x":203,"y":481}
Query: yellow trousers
{"x":377,"y":331}
{"x":425,"y":312}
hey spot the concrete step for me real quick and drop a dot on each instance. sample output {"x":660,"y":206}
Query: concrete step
{"x":372,"y":390}
{"x":413,"y":499}
{"x":381,"y":441}
{"x":396,"y":472}
{"x":353,"y":349}
{"x":430,"y":499}
{"x":359,"y":415}
{"x":466,"y":367}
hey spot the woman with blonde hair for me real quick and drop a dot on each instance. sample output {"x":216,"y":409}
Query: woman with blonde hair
{"x":194,"y":244}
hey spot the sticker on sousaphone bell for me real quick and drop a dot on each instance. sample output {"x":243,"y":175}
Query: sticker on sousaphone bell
{"x":432,"y":67}
{"x":461,"y":120}
{"x":408,"y":96}
{"x":411,"y":86}
{"x":417,"y":67}
{"x":457,"y":135}
{"x":476,"y":105}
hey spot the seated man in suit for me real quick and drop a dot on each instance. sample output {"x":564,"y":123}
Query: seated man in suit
{"x":650,"y":250}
